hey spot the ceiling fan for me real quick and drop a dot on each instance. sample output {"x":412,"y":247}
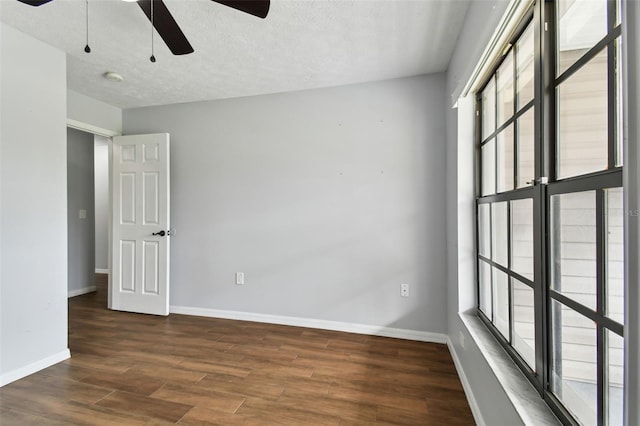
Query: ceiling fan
{"x":168,"y":28}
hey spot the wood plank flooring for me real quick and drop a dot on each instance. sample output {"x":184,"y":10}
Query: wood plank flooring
{"x":143,"y":370}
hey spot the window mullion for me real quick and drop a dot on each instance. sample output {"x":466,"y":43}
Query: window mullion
{"x":545,"y":92}
{"x":601,"y":360}
{"x":516,"y":106}
{"x":509,"y":276}
{"x":478,"y":157}
{"x":611,"y":86}
{"x":541,"y":99}
{"x":600,"y":280}
{"x":495,"y":136}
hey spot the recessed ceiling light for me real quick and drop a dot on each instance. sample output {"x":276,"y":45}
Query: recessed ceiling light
{"x":113,"y":76}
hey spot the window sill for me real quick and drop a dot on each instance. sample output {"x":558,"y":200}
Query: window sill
{"x":525,"y":399}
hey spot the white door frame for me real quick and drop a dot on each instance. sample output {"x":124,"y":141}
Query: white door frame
{"x":90,"y":128}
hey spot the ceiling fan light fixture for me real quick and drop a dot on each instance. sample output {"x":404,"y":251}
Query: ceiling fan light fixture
{"x":113,"y":76}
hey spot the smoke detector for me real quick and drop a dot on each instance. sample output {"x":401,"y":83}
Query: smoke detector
{"x":113,"y":76}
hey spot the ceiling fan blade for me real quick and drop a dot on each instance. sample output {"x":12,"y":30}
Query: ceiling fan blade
{"x":166,"y":26}
{"x":259,"y":8}
{"x":35,"y":2}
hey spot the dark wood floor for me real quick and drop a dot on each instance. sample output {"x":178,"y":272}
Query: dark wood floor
{"x":140,"y":369}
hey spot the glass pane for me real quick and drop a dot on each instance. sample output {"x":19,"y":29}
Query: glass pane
{"x":581,"y":24}
{"x":582,"y":120}
{"x":524,"y":332}
{"x":573,"y":364}
{"x":488,"y":109}
{"x":501,"y":302}
{"x":484,"y":230}
{"x":485,"y":288}
{"x":525,"y":170}
{"x":615,"y":255}
{"x":573,"y":246}
{"x":504,"y":156}
{"x":499,"y":222}
{"x":524,"y":70}
{"x":615,"y":378}
{"x":488,"y":156}
{"x":504,"y":101}
{"x":522,"y":237}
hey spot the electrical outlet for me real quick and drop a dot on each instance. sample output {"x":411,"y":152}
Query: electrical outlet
{"x":404,"y":290}
{"x":461,"y":337}
{"x":239,"y":278}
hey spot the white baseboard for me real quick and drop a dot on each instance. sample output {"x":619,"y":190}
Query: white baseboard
{"x":102,"y":271}
{"x":473,"y":404}
{"x":34,"y":367}
{"x":80,"y":291}
{"x":373,"y":330}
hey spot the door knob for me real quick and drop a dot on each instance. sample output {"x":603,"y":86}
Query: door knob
{"x":160,"y":233}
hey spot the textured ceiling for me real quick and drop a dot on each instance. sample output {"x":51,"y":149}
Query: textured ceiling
{"x":302,"y":44}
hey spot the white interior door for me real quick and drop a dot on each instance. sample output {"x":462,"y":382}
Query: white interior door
{"x":139,"y":280}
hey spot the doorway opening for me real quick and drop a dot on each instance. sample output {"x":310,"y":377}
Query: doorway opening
{"x":87,"y":211}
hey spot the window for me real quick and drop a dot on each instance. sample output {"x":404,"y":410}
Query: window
{"x":549,"y":206}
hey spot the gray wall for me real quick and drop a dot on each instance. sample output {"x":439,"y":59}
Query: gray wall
{"x":101,"y":194}
{"x":326,"y":199}
{"x":33,"y":206}
{"x":80,"y":189}
{"x":101,"y":117}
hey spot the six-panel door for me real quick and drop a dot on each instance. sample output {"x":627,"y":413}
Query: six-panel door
{"x":140,"y":209}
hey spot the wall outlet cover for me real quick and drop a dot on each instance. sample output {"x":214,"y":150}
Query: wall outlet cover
{"x":404,"y":290}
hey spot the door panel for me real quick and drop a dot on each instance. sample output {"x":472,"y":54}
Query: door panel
{"x":140,"y":182}
{"x":127,"y":266}
{"x":151,"y":208}
{"x":151,"y":256}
